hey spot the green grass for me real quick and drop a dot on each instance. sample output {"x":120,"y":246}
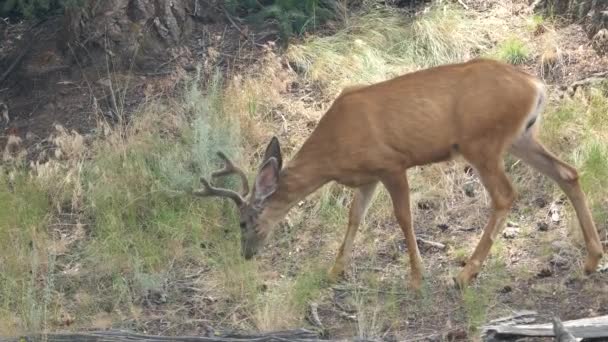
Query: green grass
{"x":135,"y":187}
{"x":575,"y":128}
{"x":514,"y":51}
{"x":26,"y":264}
{"x":535,"y":22}
{"x":479,"y":298}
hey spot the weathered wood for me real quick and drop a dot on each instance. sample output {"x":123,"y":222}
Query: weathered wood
{"x":518,"y":317}
{"x":586,"y":328}
{"x":437,"y":245}
{"x":561,"y":333}
{"x":298,"y":335}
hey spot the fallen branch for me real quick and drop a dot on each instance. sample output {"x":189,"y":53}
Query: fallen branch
{"x":238,"y":28}
{"x":593,"y":79}
{"x":438,"y":245}
{"x":314,"y":316}
{"x":461,"y":2}
{"x":519,"y":317}
{"x":298,"y":335}
{"x":585,"y":328}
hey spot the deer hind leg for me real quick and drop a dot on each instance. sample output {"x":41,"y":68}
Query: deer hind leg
{"x":494,"y":179}
{"x":533,"y":153}
{"x":359,"y":205}
{"x":399,"y":191}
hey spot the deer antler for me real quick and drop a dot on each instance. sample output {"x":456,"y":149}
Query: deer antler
{"x":230,"y":168}
{"x":208,"y":190}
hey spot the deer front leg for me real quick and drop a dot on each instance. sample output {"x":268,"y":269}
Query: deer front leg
{"x":399,"y":191}
{"x":359,"y":205}
{"x":502,"y":194}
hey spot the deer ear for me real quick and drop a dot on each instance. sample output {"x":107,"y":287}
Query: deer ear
{"x":273,"y":150}
{"x":267,"y":180}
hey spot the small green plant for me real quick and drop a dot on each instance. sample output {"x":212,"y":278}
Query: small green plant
{"x":475,"y":302}
{"x":536,"y":22}
{"x":513,"y":51}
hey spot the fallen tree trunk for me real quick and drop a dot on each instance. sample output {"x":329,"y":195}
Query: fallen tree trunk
{"x":299,"y":335}
{"x":585,"y":328}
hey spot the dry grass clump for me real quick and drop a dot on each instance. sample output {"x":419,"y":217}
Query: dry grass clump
{"x":379,"y":44}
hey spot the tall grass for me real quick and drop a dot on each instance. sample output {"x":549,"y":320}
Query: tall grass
{"x":381,"y":43}
{"x":136,"y":184}
{"x":25,"y":261}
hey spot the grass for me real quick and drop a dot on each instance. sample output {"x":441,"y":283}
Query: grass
{"x":380,"y":44}
{"x":514,"y":51}
{"x":26,"y":261}
{"x":131,"y":230}
{"x":575,"y":129}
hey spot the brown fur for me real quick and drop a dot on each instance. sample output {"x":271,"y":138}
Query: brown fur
{"x":480,"y":109}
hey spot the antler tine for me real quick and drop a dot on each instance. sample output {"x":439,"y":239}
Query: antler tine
{"x":230,"y":168}
{"x":208,"y":190}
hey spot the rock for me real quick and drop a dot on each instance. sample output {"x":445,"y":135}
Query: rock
{"x":558,"y":261}
{"x":600,"y":41}
{"x":443,"y":226}
{"x":510,"y":232}
{"x":559,"y":246}
{"x":544,"y":273}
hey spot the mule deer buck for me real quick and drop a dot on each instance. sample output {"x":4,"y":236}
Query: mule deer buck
{"x":480,"y":110}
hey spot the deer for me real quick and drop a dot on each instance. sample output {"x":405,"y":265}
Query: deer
{"x":480,"y":110}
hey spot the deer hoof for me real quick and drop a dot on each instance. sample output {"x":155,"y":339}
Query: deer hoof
{"x":591,"y":264}
{"x":335,"y":275}
{"x":461,"y":282}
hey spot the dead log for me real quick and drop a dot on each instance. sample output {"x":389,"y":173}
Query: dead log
{"x":298,"y":335}
{"x":585,"y":328}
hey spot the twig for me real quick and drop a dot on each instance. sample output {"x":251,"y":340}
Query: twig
{"x":229,"y":17}
{"x":346,"y":315}
{"x":461,"y":2}
{"x":236,"y":26}
{"x":431,"y":243}
{"x":314,"y":315}
{"x":367,"y":289}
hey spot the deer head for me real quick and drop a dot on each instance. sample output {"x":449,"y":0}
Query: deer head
{"x":254,"y":225}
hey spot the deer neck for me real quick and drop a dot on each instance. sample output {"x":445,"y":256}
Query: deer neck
{"x":296,"y":181}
